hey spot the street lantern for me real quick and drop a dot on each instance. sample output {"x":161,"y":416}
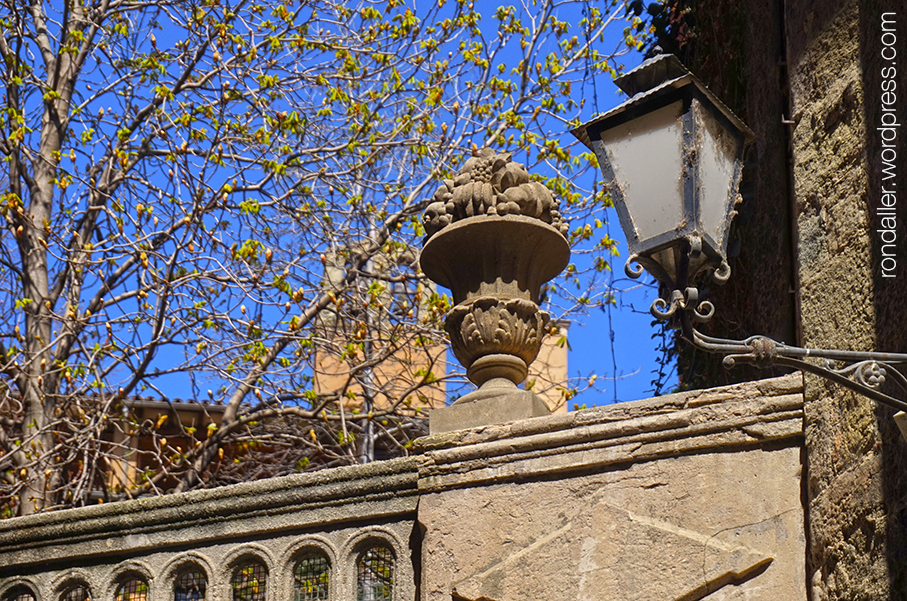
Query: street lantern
{"x":671,"y":156}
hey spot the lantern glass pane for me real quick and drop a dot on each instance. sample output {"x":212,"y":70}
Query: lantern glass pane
{"x":645,"y":155}
{"x":718,"y":153}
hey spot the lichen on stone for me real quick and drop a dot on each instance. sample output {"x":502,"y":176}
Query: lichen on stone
{"x":491,"y":183}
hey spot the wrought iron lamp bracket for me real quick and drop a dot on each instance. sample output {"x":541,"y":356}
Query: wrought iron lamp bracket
{"x":687,"y":301}
{"x":682,"y":240}
{"x":859,"y":371}
{"x":684,"y":298}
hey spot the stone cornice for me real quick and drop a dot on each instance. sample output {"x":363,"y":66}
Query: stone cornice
{"x":371,"y":491}
{"x":743,"y":415}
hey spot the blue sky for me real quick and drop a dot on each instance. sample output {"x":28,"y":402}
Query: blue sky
{"x":625,"y":364}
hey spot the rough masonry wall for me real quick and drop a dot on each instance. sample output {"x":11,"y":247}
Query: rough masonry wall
{"x":855,"y":497}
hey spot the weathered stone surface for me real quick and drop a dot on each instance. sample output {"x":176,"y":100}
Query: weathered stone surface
{"x":379,"y":490}
{"x":494,"y":237}
{"x":679,"y":528}
{"x":504,"y":257}
{"x":488,"y":325}
{"x":847,"y":532}
{"x":857,"y":547}
{"x":491,"y":183}
{"x":339,"y":513}
{"x":218,"y":558}
{"x":677,"y":561}
{"x":750,"y":413}
{"x":690,"y":496}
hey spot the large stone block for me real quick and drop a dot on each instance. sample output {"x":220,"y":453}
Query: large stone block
{"x":689,"y":496}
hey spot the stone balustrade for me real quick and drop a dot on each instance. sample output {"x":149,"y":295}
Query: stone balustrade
{"x":696,"y":495}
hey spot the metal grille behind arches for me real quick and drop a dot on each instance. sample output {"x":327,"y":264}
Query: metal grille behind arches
{"x":250,"y":581}
{"x":311,"y":578}
{"x":133,"y":589}
{"x":375,"y":575}
{"x":190,"y":585}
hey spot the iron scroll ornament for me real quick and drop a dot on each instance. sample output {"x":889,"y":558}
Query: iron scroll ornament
{"x":863,"y":372}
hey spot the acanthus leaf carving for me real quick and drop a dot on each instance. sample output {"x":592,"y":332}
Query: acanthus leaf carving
{"x":489,"y":325}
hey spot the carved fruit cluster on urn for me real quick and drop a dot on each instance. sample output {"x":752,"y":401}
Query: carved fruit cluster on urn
{"x":491,"y":184}
{"x":494,"y":237}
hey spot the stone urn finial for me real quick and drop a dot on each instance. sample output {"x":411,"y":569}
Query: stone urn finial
{"x":494,"y":237}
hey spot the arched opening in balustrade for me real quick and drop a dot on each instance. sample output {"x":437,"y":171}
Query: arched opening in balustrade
{"x":375,"y":573}
{"x":132,"y":587}
{"x":19,"y":593}
{"x":190,"y":584}
{"x":250,"y":580}
{"x":75,"y":590}
{"x":311,"y":576}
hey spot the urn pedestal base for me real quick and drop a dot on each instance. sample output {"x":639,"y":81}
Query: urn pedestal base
{"x":497,"y":406}
{"x":496,"y":340}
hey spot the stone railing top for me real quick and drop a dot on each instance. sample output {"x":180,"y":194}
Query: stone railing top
{"x":491,"y":183}
{"x":339,"y":494}
{"x":742,"y":415}
{"x":759,"y":391}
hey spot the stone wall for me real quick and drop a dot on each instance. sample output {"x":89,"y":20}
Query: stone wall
{"x":807,"y":77}
{"x":338,"y":515}
{"x":888,"y":293}
{"x":855,"y":455}
{"x":688,"y":496}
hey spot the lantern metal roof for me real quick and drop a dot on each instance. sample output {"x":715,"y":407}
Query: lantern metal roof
{"x":657,"y":77}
